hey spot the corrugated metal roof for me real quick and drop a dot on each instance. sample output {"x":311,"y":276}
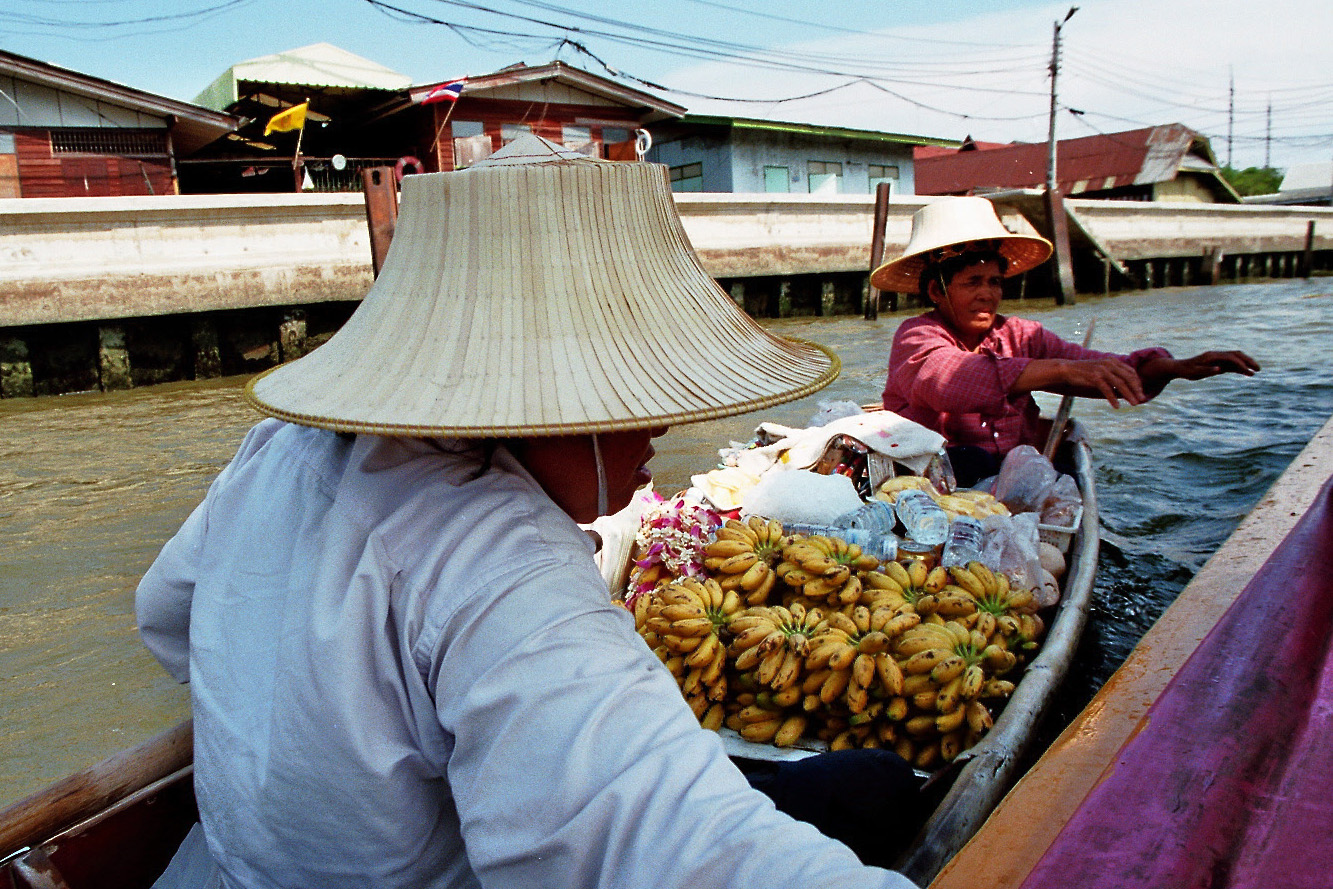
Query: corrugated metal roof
{"x":317,"y":65}
{"x":192,"y":125}
{"x":569,"y":75}
{"x":778,"y":126}
{"x":1090,"y":163}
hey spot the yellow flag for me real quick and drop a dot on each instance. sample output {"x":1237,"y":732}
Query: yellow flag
{"x":291,"y":119}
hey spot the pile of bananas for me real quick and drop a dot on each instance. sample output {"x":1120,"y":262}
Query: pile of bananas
{"x":793,"y":637}
{"x":743,"y":557}
{"x":684,"y":622}
{"x":976,"y":504}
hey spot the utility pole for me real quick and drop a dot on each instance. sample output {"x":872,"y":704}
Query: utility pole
{"x":1268,"y":135}
{"x":1231,"y":114}
{"x":1055,"y":208}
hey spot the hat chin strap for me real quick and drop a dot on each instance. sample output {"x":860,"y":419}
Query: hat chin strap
{"x":601,"y":476}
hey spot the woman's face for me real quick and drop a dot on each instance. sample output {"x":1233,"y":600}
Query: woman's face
{"x":972,"y":299}
{"x":566,"y":468}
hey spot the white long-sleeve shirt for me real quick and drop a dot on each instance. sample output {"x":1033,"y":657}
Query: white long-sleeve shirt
{"x":407,"y":672}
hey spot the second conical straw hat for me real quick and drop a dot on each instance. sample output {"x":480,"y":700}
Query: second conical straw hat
{"x":540,"y":293}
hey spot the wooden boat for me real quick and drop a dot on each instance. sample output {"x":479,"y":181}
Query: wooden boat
{"x":116,"y":825}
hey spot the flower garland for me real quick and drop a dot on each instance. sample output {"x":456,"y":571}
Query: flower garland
{"x":670,"y":542}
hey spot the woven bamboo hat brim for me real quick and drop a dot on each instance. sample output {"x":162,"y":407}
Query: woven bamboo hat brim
{"x":549,"y":294}
{"x":946,"y":228}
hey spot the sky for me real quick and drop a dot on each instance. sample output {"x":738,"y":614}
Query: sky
{"x":1256,"y":78}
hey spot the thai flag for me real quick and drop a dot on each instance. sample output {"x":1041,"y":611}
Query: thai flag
{"x":444,"y":92}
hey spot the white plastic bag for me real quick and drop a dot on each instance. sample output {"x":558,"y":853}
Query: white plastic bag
{"x":1012,"y":545}
{"x":1025,"y":480}
{"x":1062,"y":503}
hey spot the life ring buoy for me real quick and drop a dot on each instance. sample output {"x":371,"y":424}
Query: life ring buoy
{"x":404,"y":162}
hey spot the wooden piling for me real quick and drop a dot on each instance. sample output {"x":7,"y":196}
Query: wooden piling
{"x":15,"y":368}
{"x":207,"y":354}
{"x":1062,"y":270}
{"x":113,"y":358}
{"x":1307,"y":256}
{"x":883,"y":192}
{"x":1210,"y":266}
{"x":381,"y":190}
{"x":828,"y":298}
{"x":738,"y":294}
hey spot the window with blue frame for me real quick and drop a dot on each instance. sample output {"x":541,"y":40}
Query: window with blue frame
{"x":687,"y":177}
{"x":824,"y":177}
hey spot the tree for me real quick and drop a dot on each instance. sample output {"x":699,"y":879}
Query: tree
{"x":1253,"y":180}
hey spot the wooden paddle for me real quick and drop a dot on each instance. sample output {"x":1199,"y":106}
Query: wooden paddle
{"x":1066,"y":405}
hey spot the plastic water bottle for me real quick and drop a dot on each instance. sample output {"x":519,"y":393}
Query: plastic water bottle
{"x":922,"y":518}
{"x":964,"y":542}
{"x":875,"y":515}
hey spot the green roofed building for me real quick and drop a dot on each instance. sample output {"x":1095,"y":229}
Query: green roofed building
{"x":746,"y":155}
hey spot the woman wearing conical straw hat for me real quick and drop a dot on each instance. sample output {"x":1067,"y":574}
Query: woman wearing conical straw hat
{"x":405,"y":667}
{"x":968,"y":372}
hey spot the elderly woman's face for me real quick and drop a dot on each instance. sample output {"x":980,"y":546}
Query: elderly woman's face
{"x":566,"y":468}
{"x":972,"y":299}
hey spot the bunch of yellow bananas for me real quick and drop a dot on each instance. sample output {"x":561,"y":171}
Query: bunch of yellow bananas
{"x":998,"y":609}
{"x":743,"y":555}
{"x":683,"y":622}
{"x":769,"y":649}
{"x":948,"y":670}
{"x":824,"y":569}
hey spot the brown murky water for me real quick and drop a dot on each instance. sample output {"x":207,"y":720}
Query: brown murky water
{"x":91,"y":485}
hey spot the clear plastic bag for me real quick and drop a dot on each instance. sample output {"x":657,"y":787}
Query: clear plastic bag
{"x":1012,"y":546}
{"x":1062,"y":503}
{"x":1025,"y":480}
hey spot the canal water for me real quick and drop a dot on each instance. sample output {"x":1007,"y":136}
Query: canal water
{"x":91,"y":485}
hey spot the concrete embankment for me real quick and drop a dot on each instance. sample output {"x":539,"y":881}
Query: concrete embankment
{"x":116,"y":292}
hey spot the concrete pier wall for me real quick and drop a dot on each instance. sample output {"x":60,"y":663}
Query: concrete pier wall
{"x":114,"y":292}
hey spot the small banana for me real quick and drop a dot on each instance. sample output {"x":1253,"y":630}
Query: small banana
{"x":967,"y":580}
{"x":917,"y":574}
{"x":890,"y":674}
{"x":790,"y":731}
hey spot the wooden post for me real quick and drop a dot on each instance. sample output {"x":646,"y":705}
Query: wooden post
{"x":1063,"y":272}
{"x":828,"y":298}
{"x":113,"y":358}
{"x":1210,"y":267}
{"x":15,"y":368}
{"x":381,"y":191}
{"x":883,"y":191}
{"x":1307,"y":257}
{"x":737,"y":293}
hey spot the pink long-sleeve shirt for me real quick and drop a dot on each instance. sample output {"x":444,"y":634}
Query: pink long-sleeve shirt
{"x":965,"y":395}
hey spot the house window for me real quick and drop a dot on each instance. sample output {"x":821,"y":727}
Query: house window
{"x":777,"y":180}
{"x":471,"y":144}
{"x":578,"y":139}
{"x":611,"y":135}
{"x":824,"y":176}
{"x":882,"y":173}
{"x":511,"y":131}
{"x":687,"y":177}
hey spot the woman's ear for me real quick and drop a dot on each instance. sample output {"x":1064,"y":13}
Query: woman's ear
{"x":934,"y":292}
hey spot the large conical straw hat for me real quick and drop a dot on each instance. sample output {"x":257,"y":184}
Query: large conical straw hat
{"x":540,"y":293}
{"x":950,"y":227}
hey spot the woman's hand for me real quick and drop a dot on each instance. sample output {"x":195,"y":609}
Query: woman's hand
{"x":1110,"y":378}
{"x":1200,"y":367}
